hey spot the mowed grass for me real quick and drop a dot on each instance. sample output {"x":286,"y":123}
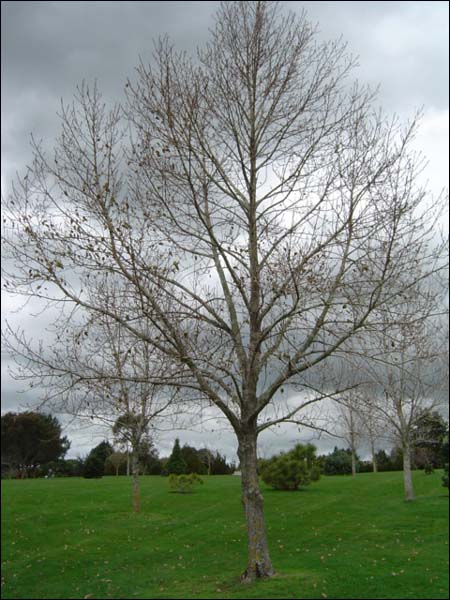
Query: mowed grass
{"x":340,"y":538}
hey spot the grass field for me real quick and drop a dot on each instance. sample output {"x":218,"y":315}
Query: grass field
{"x":341,"y":538}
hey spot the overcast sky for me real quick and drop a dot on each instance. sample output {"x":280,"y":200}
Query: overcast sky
{"x":50,"y":47}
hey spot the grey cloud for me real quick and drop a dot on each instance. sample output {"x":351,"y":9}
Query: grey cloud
{"x":50,"y":47}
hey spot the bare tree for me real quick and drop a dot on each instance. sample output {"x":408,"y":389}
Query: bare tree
{"x":374,"y":426}
{"x":350,"y":424}
{"x":407,"y":366}
{"x":258,"y":220}
{"x":117,"y":459}
{"x":94,"y":370}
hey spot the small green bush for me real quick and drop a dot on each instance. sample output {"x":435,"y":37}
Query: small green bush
{"x":291,"y":470}
{"x":183,"y":484}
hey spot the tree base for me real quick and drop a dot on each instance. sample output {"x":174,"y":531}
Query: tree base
{"x":257,"y":572}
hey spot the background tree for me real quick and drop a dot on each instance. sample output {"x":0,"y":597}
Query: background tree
{"x":219,"y":465}
{"x":130,"y":429}
{"x":406,"y":365}
{"x":97,"y":371}
{"x":149,"y":462}
{"x":350,"y":424}
{"x":94,"y":466}
{"x":265,"y":213}
{"x":31,"y":439}
{"x":193,"y":460}
{"x":176,"y":464}
{"x":430,"y":431}
{"x":102,"y":450}
{"x":338,"y":462}
{"x":383,"y":461}
{"x":116,"y":461}
{"x":373,"y":425}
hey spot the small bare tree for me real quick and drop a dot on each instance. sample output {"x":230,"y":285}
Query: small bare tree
{"x":350,"y":424}
{"x":258,"y":220}
{"x":374,"y":427}
{"x":117,"y":459}
{"x":406,"y":364}
{"x":94,"y":370}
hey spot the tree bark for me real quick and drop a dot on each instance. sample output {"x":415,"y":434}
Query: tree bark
{"x":135,"y":473}
{"x":374,"y":458}
{"x":259,"y":563}
{"x":353,"y":463}
{"x":353,"y":444}
{"x":407,"y":476}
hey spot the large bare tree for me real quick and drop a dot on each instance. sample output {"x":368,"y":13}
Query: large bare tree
{"x":261,"y":213}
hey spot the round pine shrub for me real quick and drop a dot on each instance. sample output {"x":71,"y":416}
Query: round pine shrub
{"x":291,"y":470}
{"x":183,"y":484}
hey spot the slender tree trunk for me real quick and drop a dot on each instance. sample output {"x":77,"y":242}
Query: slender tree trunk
{"x":407,"y":476}
{"x":135,"y":473}
{"x":353,"y":463}
{"x":353,"y":445}
{"x":374,"y":458}
{"x":259,"y":563}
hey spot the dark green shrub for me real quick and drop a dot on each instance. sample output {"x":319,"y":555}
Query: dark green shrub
{"x":339,"y":462}
{"x":93,"y":467}
{"x":183,"y":484}
{"x":291,"y":470}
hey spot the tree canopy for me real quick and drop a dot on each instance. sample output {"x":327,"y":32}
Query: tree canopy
{"x":30,"y":439}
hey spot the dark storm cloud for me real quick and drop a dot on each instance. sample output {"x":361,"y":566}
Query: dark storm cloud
{"x":50,"y":47}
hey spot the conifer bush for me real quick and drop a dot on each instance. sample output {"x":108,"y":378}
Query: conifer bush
{"x":291,"y":470}
{"x":183,"y":484}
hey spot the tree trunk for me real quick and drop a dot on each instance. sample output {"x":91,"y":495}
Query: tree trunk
{"x":259,"y":563}
{"x":374,"y":458}
{"x":135,"y":473}
{"x":407,"y":477}
{"x":353,"y":463}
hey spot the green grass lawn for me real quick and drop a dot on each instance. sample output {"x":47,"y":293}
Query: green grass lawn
{"x":340,"y":538}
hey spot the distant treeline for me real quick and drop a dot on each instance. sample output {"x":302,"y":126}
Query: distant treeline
{"x":339,"y":462}
{"x":33,"y":446}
